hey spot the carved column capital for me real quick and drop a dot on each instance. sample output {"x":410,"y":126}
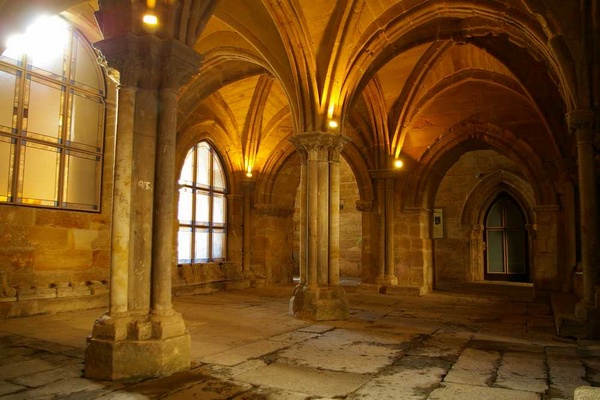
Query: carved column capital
{"x":309,"y":144}
{"x":364,"y":205}
{"x":149,"y":62}
{"x":581,"y":122}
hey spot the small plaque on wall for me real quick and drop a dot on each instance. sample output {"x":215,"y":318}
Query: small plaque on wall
{"x":438,"y":223}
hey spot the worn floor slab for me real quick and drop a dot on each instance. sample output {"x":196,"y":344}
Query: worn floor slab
{"x":446,"y":345}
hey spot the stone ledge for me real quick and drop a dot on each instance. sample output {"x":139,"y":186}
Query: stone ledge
{"x":565,"y":322}
{"x":23,"y":308}
{"x":404,"y":290}
{"x":210,"y":287}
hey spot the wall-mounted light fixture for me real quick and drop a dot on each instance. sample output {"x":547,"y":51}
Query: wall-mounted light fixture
{"x":150,"y":19}
{"x":332,"y":124}
{"x":398,"y":163}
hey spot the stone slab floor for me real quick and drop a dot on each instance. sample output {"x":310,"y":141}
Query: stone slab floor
{"x":470,"y":344}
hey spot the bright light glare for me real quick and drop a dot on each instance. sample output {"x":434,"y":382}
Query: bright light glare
{"x":150,"y":19}
{"x":45,"y":38}
{"x":398,"y":163}
{"x":333,"y":124}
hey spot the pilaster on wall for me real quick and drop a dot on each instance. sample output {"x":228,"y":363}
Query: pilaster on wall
{"x":319,"y":295}
{"x":415,"y":256}
{"x":581,"y":123}
{"x":141,"y":335}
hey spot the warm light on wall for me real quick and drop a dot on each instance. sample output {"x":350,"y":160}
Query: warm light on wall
{"x":249,"y":174}
{"x":398,"y":163}
{"x":330,"y":110}
{"x":333,"y":124}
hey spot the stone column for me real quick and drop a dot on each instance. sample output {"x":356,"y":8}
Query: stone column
{"x":142,"y":336}
{"x":247,"y":187}
{"x":120,"y":233}
{"x":385,"y":200}
{"x":321,"y":298}
{"x":380,"y":183}
{"x":581,"y":123}
{"x":390,"y":275}
{"x":302,"y":261}
{"x":334,"y":219}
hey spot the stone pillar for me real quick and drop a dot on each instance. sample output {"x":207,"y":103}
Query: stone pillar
{"x":380,"y":183}
{"x":302,"y":261}
{"x":321,"y":298}
{"x":334,"y":219}
{"x":141,"y":336}
{"x":581,"y":124}
{"x":120,"y":234}
{"x":385,"y":200}
{"x":247,"y":187}
{"x":390,"y":275}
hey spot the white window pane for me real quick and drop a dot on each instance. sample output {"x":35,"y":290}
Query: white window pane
{"x":44,"y":110}
{"x":218,"y":209}
{"x":184,"y":245}
{"x":7,"y":100}
{"x":187,"y":172}
{"x":202,"y":208}
{"x":47,"y":40}
{"x":40,"y":174}
{"x":184,"y":213}
{"x":218,"y":245}
{"x":495,"y":249}
{"x":85,"y":121}
{"x":6,"y":157}
{"x":201,"y":245}
{"x":82,"y":177}
{"x":203,"y":165}
{"x":218,"y":178}
{"x":86,"y":66}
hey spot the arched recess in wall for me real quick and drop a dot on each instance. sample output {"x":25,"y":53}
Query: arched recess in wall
{"x":533,"y":191}
{"x":424,"y":179}
{"x":479,"y":200}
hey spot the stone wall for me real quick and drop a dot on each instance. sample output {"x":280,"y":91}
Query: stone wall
{"x":452,"y":256}
{"x":55,"y":254}
{"x":350,"y":224}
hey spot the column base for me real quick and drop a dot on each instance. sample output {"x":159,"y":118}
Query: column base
{"x":319,"y":304}
{"x":126,"y":348}
{"x":386,"y":280}
{"x":590,"y":317}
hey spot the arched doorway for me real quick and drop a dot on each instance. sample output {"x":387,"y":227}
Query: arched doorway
{"x":505,"y":241}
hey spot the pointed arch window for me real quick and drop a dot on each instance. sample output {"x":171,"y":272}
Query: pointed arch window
{"x":51,"y":119}
{"x":506,"y":241}
{"x":202,"y":207}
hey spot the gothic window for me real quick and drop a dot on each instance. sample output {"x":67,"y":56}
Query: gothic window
{"x":51,"y":119}
{"x":202,"y":207}
{"x":506,"y":241}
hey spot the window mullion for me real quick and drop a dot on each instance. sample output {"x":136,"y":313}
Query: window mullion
{"x":194,"y":199}
{"x":20,"y":109}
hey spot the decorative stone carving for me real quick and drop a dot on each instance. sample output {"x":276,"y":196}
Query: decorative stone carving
{"x":364,"y":205}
